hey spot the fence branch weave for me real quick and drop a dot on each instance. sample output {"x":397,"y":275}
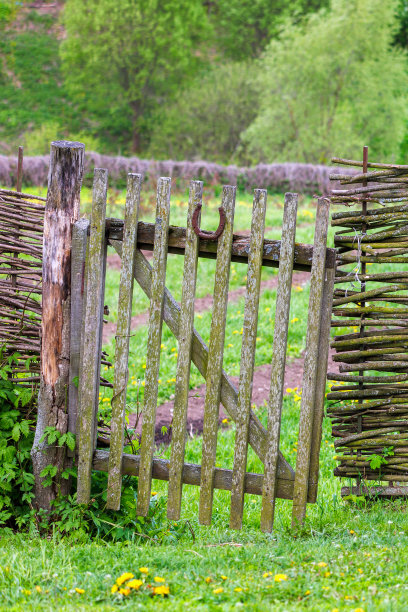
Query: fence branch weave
{"x":21,"y":237}
{"x":369,"y":408}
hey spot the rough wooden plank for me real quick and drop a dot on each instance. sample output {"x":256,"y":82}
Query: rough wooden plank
{"x":208,"y":249}
{"x":62,"y":209}
{"x":122,"y":341}
{"x":90,"y":355}
{"x":79,"y":243}
{"x":229,"y":395}
{"x":192,"y":474}
{"x":279,"y":359}
{"x":178,"y":438}
{"x":248,"y":357}
{"x":153,"y":343}
{"x":300,"y":490}
{"x":323,"y":354}
{"x":215,"y":358}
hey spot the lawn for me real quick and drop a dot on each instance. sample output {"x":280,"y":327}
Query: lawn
{"x":350,"y":555}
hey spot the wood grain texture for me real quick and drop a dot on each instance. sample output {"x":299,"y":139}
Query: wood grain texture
{"x":185,"y":342}
{"x":62,"y":209}
{"x":249,"y":333}
{"x":215,"y":358}
{"x":158,"y":280}
{"x":280,"y":339}
{"x":300,"y":491}
{"x":90,"y":353}
{"x":122,"y":341}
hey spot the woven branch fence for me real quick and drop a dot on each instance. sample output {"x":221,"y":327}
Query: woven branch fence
{"x":369,"y":408}
{"x":21,"y":239}
{"x":303,"y":178}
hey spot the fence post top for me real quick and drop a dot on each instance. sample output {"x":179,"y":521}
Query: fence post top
{"x":67,"y":144}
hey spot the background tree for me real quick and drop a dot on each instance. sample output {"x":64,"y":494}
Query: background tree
{"x":123,"y":59}
{"x":208,"y":126}
{"x":330,"y":84}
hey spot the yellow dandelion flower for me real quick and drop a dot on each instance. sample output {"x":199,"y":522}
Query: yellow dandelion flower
{"x":298,"y":289}
{"x":327,"y":574}
{"x":224,"y":577}
{"x":208,"y":579}
{"x":230,"y":345}
{"x":134,"y":584}
{"x":358,"y":610}
{"x":294,"y":320}
{"x":162,"y":346}
{"x":280,"y":577}
{"x":106,"y":399}
{"x":352,"y":531}
{"x":267,"y":309}
{"x":159,"y":579}
{"x":80,"y":591}
{"x":335,"y":610}
{"x":161,"y":590}
{"x":237,"y":589}
{"x":265,"y":575}
{"x":235,"y":331}
{"x":360,"y":571}
{"x":123,"y":578}
{"x":26,"y":592}
{"x":224,"y":420}
{"x":322,"y":564}
{"x":144,"y":570}
{"x":152,"y":494}
{"x":217,"y":591}
{"x":38,"y":589}
{"x":144,"y":366}
{"x":124,"y":591}
{"x":114,"y":588}
{"x":307,"y":592}
{"x":173,"y":350}
{"x":199,"y":316}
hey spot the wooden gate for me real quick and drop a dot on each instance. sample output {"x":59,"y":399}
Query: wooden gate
{"x":128,"y":238}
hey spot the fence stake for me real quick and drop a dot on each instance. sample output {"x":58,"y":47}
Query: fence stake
{"x":280,"y":339}
{"x":307,"y":406}
{"x":215,"y":357}
{"x":62,"y":208}
{"x":153,"y":343}
{"x":122,"y":340}
{"x":79,"y":242}
{"x":90,"y":353}
{"x":178,"y":438}
{"x":248,"y":357}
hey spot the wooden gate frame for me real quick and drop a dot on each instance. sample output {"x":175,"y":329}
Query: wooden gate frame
{"x":128,"y":238}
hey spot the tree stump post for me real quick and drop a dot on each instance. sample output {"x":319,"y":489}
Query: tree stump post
{"x":62,"y":210}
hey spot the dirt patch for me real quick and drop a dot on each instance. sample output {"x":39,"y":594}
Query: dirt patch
{"x":196,"y":397}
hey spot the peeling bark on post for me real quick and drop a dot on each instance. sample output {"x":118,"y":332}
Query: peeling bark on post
{"x":62,"y":210}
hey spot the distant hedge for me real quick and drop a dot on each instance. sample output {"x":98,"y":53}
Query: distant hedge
{"x":304,"y":178}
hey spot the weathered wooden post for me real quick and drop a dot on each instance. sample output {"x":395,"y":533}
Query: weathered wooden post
{"x":62,"y":210}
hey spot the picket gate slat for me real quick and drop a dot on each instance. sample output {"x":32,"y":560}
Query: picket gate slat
{"x":122,"y":340}
{"x":249,"y":332}
{"x":153,"y":343}
{"x":178,"y":439}
{"x":317,"y":278}
{"x":280,"y":339}
{"x":215,"y":357}
{"x":88,"y":389}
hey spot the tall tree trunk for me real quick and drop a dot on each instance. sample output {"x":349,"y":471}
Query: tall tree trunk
{"x":61,"y":211}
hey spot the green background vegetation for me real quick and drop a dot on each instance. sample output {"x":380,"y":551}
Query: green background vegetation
{"x":226,"y":80}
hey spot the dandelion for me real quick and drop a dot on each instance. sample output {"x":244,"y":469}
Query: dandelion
{"x":360,"y":571}
{"x":265,"y":575}
{"x":294,"y":320}
{"x":158,"y":579}
{"x":114,"y":589}
{"x":238,"y":590}
{"x":352,"y":532}
{"x":298,"y":289}
{"x":235,"y":331}
{"x":173,"y":350}
{"x":38,"y":589}
{"x":106,"y":399}
{"x":125,"y":591}
{"x":80,"y":591}
{"x":307,"y":592}
{"x":162,"y":346}
{"x":217,"y":591}
{"x":161,"y":590}
{"x":224,"y":577}
{"x":208,"y":579}
{"x":123,"y":578}
{"x":327,"y":574}
{"x":144,"y":366}
{"x":26,"y":592}
{"x":199,"y":316}
{"x":134,"y":584}
{"x":143,"y":570}
{"x":153,"y":493}
{"x":267,"y":309}
{"x":280,"y":577}
{"x":230,"y":345}
{"x":224,"y":421}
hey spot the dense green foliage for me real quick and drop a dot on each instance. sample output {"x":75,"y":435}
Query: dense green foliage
{"x":344,"y":85}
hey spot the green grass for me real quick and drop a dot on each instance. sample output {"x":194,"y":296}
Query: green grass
{"x":349,"y":556}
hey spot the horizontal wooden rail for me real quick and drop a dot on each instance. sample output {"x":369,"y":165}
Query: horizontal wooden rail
{"x":208,"y":249}
{"x":192,"y":474}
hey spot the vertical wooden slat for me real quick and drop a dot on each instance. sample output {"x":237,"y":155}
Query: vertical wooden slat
{"x":19,"y":184}
{"x":178,"y":438}
{"x":215,"y":357}
{"x":247,"y":357}
{"x":317,"y":276}
{"x":161,"y":235}
{"x":79,"y":242}
{"x":122,"y":341}
{"x":280,"y":338}
{"x":90,"y":353}
{"x":323,"y":353}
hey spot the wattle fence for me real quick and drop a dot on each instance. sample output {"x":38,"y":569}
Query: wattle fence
{"x":304,"y":178}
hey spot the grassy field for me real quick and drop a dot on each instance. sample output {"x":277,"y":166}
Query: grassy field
{"x":350,"y":555}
